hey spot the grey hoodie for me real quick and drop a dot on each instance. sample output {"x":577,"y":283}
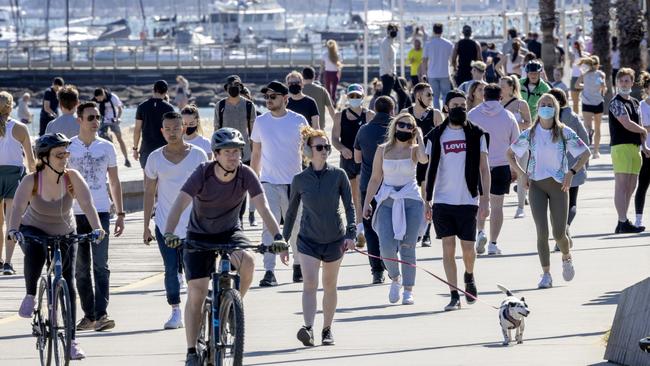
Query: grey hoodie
{"x":572,"y":121}
{"x":502,"y":127}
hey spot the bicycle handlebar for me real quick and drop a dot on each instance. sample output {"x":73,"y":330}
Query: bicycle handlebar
{"x":45,"y":240}
{"x":261,"y":248}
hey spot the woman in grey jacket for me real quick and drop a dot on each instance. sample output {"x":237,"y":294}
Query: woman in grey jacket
{"x":323,"y":238}
{"x":569,"y":118}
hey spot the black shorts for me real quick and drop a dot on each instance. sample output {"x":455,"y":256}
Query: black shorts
{"x":199,"y":259}
{"x":596,"y":109}
{"x":351,"y":168}
{"x":455,"y":220}
{"x":421,"y":173}
{"x":500,"y":180}
{"x":329,"y":252}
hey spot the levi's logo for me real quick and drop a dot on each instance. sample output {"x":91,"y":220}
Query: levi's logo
{"x":454,"y":146}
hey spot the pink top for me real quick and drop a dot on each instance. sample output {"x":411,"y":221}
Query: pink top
{"x":500,"y":125}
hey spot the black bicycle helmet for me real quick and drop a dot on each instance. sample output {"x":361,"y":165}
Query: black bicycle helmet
{"x":48,"y":142}
{"x":533,"y":66}
{"x":227,"y":138}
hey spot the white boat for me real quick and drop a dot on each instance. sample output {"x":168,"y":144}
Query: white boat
{"x":235,"y":20}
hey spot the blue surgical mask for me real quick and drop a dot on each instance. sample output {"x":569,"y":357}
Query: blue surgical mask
{"x":546,"y":112}
{"x":355,"y":103}
{"x":625,"y":91}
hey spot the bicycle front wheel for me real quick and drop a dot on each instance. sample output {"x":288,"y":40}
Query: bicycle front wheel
{"x":230,"y":350}
{"x":61,"y":324}
{"x":41,"y":324}
{"x":205,"y":341}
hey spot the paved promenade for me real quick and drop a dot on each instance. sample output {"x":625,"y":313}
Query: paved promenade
{"x":566,"y":325}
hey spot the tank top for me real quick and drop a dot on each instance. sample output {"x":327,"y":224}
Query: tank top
{"x":398,"y":172}
{"x":518,"y":117}
{"x":350,"y":127}
{"x":52,"y":217}
{"x":466,"y":54}
{"x":425,"y":122}
{"x":592,"y":81}
{"x":11,"y":151}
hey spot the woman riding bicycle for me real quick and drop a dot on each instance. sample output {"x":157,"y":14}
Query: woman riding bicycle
{"x":43,"y":207}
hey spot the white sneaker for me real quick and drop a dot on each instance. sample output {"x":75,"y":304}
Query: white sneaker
{"x":568,"y":272}
{"x":481,"y":240}
{"x":393,"y":294}
{"x":493,"y":249}
{"x":407,"y":298}
{"x":181,"y":281}
{"x":175,"y":319}
{"x":546,"y":281}
{"x":520,"y":213}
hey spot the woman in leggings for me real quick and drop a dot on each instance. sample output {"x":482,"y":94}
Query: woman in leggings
{"x":43,"y":207}
{"x":644,"y":175}
{"x":549,"y":178}
{"x":572,"y":121}
{"x":323,"y":238}
{"x":393,"y":182}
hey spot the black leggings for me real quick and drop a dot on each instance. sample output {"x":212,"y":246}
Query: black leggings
{"x":35,"y":257}
{"x":573,"y":204}
{"x":642,"y":188}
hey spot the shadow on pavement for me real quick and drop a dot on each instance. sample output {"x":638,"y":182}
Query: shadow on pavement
{"x":125,"y":333}
{"x":389,"y":316}
{"x":608,"y":298}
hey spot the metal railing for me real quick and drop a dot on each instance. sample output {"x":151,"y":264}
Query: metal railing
{"x":161,"y":56}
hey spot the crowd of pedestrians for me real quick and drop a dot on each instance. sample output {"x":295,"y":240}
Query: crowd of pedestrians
{"x":440,"y":151}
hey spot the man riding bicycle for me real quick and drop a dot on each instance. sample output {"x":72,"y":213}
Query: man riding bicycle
{"x":216,"y":191}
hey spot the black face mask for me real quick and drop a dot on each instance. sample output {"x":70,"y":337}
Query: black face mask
{"x":457,"y":115}
{"x":234,"y":91}
{"x":190,"y":130}
{"x":403,"y":136}
{"x":392,"y":34}
{"x":295,"y":88}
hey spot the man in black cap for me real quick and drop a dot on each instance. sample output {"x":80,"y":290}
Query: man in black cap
{"x":148,"y":122}
{"x":276,"y":158}
{"x":237,"y":112}
{"x":465,"y":51}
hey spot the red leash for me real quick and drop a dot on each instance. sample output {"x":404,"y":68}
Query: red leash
{"x":427,"y":271}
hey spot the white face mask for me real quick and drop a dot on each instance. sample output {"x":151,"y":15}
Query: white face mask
{"x":355,"y":103}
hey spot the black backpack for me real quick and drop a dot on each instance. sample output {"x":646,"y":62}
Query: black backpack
{"x":249,"y":111}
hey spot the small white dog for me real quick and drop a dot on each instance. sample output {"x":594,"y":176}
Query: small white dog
{"x":511,"y":316}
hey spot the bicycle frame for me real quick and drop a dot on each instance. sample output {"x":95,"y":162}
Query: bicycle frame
{"x":221,"y":281}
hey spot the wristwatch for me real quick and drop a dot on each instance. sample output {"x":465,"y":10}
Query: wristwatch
{"x":135,"y":148}
{"x":573,"y":171}
{"x":121,"y":214}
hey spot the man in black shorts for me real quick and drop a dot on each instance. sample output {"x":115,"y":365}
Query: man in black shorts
{"x":217,"y":190}
{"x":455,"y":145}
{"x":344,"y":131}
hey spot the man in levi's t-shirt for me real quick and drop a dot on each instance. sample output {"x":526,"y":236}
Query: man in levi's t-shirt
{"x":458,"y":159}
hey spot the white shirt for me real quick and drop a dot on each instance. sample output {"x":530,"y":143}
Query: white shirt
{"x":11,"y":150}
{"x":644,"y":108}
{"x":438,"y":52}
{"x":201,"y":142}
{"x":281,"y":143}
{"x":171,"y":178}
{"x":93,"y":162}
{"x":451,"y":185}
{"x":387,"y":60}
{"x":108,"y":111}
{"x":329,"y":65}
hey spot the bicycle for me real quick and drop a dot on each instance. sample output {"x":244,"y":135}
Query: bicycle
{"x":52,"y":324}
{"x":223,"y":312}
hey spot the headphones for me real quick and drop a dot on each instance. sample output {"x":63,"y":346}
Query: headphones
{"x":306,"y":149}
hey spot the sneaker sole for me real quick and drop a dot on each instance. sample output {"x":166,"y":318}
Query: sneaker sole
{"x":480,"y":246}
{"x":105,"y":327}
{"x":328,"y":343}
{"x":452,"y":308}
{"x":267,"y":284}
{"x":172,"y":327}
{"x":305,"y":338}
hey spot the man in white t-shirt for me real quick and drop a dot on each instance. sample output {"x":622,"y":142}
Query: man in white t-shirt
{"x":458,"y":151}
{"x":276,"y":158}
{"x":111,"y":108}
{"x":166,"y":171}
{"x":435,"y":64}
{"x":95,"y":159}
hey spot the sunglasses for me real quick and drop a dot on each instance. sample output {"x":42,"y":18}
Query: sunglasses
{"x":93,"y":117}
{"x":320,"y":148}
{"x":405,"y":125}
{"x":428,"y":95}
{"x":62,"y":155}
{"x":271,"y":96}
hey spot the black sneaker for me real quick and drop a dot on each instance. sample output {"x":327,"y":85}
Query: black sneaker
{"x":251,"y":218}
{"x":306,"y":336}
{"x":454,"y":304}
{"x":8,"y":269}
{"x":470,"y":288}
{"x":297,"y":273}
{"x":268,"y":280}
{"x":628,"y":228}
{"x":377,"y":278}
{"x":426,"y":241}
{"x":327,"y":337}
{"x":127,"y":163}
{"x":192,"y":360}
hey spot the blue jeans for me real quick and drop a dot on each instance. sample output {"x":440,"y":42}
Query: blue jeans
{"x":440,"y":88}
{"x":389,"y":246}
{"x":93,"y":302}
{"x":171,"y":258}
{"x":372,"y":241}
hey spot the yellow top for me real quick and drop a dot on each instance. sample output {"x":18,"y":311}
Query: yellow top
{"x":414,"y":59}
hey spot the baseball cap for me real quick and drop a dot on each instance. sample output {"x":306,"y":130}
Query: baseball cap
{"x":533,"y":66}
{"x":454,"y":94}
{"x":355,"y":88}
{"x":233,"y":78}
{"x":161,"y":86}
{"x":277,"y":87}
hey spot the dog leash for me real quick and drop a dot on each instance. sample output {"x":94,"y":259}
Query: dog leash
{"x":428,"y":272}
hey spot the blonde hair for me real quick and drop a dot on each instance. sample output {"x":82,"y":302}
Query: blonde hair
{"x":293,"y":74}
{"x":308,"y":134}
{"x":6,"y":106}
{"x":591,"y":61}
{"x":625,"y":71}
{"x":391,"y":140}
{"x":333,"y":52}
{"x":513,"y":82}
{"x":193,"y":110}
{"x":558,"y":126}
{"x":644,"y":79}
{"x":470,"y":93}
